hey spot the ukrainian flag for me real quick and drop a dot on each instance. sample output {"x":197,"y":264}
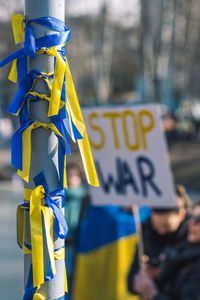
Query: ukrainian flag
{"x":106,"y":245}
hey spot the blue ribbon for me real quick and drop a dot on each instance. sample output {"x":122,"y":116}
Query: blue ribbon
{"x":56,"y":201}
{"x":63,"y":115}
{"x":50,"y":22}
{"x":24,"y":88}
{"x":30,"y":44}
{"x":30,"y":290}
{"x":16,"y":146}
{"x":46,"y":42}
{"x":11,"y":57}
{"x":63,"y":147}
{"x":64,"y":128}
{"x":60,"y":224}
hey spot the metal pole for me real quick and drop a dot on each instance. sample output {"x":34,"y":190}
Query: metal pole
{"x":44,"y":155}
{"x":136,"y":215}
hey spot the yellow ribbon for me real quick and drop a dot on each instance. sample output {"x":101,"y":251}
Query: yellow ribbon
{"x":26,"y":147}
{"x":45,"y":79}
{"x":27,"y":194}
{"x":84,"y":146}
{"x":35,"y":197}
{"x":58,"y":255}
{"x":13,"y":71}
{"x":43,"y":97}
{"x":59,"y":72}
{"x":20,"y":226}
{"x":56,"y":88}
{"x":72,"y":107}
{"x":13,"y":77}
{"x":58,"y":79}
{"x":18,"y":28}
{"x":37,"y":236}
{"x":36,"y":211}
{"x":38,"y":297}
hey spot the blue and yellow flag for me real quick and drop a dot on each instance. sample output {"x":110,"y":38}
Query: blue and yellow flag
{"x":106,"y":245}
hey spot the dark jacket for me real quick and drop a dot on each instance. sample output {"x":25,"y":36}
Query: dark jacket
{"x":154,"y":245}
{"x":179,"y":277}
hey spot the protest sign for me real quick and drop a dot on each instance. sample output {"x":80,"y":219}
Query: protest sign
{"x":130,"y":156}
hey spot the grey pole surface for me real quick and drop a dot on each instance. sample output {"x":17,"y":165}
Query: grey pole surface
{"x":44,"y":154}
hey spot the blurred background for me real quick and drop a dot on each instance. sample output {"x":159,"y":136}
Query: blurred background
{"x":133,"y":51}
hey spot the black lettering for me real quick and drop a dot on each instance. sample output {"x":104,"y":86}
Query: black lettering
{"x":147,"y":179}
{"x":106,"y":184}
{"x":128,"y":178}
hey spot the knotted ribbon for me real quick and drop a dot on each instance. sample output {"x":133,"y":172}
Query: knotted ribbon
{"x":28,"y":80}
{"x":66,"y":120}
{"x":25,"y":86}
{"x":44,"y":216}
{"x":20,"y":24}
{"x":62,"y":77}
{"x":21,"y":148}
{"x":58,"y":79}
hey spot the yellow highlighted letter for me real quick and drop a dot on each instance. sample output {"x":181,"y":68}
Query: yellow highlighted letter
{"x":145,"y":114}
{"x":101,"y":144}
{"x":113,"y":116}
{"x":133,"y":117}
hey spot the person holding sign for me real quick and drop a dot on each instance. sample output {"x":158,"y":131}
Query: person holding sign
{"x":164,"y":229}
{"x":179,"y":271}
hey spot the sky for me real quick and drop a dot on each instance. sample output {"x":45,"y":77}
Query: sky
{"x":124,"y":11}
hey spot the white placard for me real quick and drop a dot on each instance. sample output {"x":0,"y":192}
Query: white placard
{"x":130,"y":156}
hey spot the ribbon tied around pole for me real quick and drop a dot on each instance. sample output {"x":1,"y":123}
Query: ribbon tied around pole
{"x":45,"y":215}
{"x":21,"y":24}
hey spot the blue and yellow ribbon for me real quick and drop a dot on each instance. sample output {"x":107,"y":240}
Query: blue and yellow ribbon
{"x":59,"y":74}
{"x":20,"y":24}
{"x":25,"y":87}
{"x":62,"y":76}
{"x":84,"y":146}
{"x":21,"y":141}
{"x":45,"y":215}
{"x":65,"y":120}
